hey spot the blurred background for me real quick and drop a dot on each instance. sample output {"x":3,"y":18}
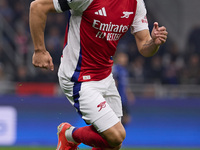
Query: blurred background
{"x":161,"y":94}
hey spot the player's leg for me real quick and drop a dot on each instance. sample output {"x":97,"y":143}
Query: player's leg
{"x":102,"y":116}
{"x":112,"y":138}
{"x":115,"y":134}
{"x":88,"y":134}
{"x":108,"y":125}
{"x":108,"y":132}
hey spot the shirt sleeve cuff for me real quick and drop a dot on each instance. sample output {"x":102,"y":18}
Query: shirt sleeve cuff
{"x":57,"y":6}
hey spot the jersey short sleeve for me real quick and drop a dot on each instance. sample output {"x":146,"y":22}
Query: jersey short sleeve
{"x":140,"y":21}
{"x":79,"y":5}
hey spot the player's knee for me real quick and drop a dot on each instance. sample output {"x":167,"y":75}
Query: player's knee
{"x":117,"y":138}
{"x":116,"y":142}
{"x":115,"y":135}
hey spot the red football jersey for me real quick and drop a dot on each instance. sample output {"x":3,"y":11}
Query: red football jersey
{"x":94,"y":30}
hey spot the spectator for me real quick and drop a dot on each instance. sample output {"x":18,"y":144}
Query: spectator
{"x":155,"y":69}
{"x":170,"y":74}
{"x":193,"y":40}
{"x":191,"y":72}
{"x":137,"y":70}
{"x":21,"y":40}
{"x":6,"y":11}
{"x":22,"y":74}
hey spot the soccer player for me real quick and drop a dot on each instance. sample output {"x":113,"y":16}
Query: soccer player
{"x":93,"y":31}
{"x":121,"y":75}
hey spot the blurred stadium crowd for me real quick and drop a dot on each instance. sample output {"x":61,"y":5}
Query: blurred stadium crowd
{"x":170,"y":65}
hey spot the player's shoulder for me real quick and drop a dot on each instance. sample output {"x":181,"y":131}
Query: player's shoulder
{"x":80,"y":5}
{"x":141,"y":8}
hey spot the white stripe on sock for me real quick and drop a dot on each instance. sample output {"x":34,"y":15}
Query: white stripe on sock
{"x":68,"y":135}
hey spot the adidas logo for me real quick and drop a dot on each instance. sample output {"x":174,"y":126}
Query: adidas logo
{"x":101,"y":12}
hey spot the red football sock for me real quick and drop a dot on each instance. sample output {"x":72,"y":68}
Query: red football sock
{"x":89,"y":136}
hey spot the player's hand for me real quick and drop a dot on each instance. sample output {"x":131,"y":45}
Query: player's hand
{"x":42,"y":59}
{"x":159,"y":34}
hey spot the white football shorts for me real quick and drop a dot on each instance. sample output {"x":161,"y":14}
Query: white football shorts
{"x":98,"y":102}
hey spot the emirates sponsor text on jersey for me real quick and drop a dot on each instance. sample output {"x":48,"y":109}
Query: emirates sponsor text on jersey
{"x":112,"y":32}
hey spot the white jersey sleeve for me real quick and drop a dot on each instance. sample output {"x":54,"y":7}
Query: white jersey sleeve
{"x":140,"y":21}
{"x":79,"y":5}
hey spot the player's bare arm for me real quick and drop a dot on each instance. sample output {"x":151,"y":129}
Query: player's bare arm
{"x":38,"y":15}
{"x":148,"y":44}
